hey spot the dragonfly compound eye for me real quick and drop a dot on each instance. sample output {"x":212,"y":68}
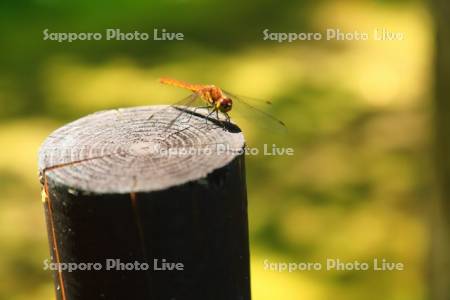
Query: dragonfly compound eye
{"x":226,"y":104}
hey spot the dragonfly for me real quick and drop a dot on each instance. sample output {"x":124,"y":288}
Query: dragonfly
{"x":218,"y":102}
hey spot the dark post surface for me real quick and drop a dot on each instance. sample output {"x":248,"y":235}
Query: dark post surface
{"x":112,"y":192}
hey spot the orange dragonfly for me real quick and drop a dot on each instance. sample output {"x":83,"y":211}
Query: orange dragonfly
{"x":218,"y":101}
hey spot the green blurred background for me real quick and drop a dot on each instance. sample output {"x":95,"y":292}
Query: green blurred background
{"x":358,"y":116}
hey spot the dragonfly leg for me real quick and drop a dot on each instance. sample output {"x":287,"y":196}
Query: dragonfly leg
{"x":209,"y":115}
{"x":219,"y":120}
{"x":225,"y":122}
{"x":198,"y":107}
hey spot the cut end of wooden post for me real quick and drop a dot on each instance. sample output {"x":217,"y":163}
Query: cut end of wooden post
{"x":125,"y":151}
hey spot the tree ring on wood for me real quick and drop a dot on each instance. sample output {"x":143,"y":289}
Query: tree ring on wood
{"x":124,"y":151}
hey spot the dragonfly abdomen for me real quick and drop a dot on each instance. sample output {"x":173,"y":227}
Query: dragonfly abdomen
{"x":181,"y":84}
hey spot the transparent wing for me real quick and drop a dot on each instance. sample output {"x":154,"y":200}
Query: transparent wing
{"x":250,"y":100}
{"x":193,"y":101}
{"x":255,"y":113}
{"x":189,"y":101}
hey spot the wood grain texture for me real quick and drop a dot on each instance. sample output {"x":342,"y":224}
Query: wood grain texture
{"x":122,"y":151}
{"x":108,"y":194}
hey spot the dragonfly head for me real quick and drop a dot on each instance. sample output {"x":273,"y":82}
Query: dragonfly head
{"x":225,"y":104}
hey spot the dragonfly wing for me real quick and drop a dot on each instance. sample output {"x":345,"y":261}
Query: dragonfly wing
{"x":188,"y":101}
{"x":250,"y":100}
{"x":192,"y":101}
{"x":256,"y":112}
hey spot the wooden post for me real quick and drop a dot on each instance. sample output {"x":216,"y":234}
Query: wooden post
{"x":113,"y":192}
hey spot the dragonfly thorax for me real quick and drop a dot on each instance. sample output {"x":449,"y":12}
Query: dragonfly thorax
{"x":215,"y":97}
{"x":221,"y":102}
